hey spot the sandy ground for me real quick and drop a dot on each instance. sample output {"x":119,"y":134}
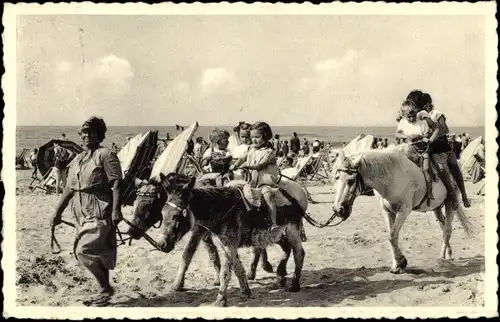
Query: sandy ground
{"x":345,"y":265}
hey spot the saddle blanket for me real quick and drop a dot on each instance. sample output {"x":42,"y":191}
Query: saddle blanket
{"x":253,"y":197}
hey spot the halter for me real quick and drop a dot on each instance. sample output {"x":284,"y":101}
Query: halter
{"x":360,"y":182}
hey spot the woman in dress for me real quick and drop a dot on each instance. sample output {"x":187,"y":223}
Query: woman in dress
{"x":93,"y":187}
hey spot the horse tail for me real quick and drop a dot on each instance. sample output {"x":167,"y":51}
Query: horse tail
{"x":464,"y":221}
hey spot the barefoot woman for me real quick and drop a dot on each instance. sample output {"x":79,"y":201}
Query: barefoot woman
{"x":93,"y":187}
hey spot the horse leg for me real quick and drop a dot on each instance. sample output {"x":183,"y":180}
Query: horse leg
{"x":281,"y":269}
{"x":438,"y":212}
{"x":187,"y":256}
{"x":449,"y":214}
{"x":225,"y":274}
{"x":266,"y":266}
{"x":394,"y":223}
{"x":293,"y":236}
{"x":255,"y":261}
{"x":213,"y":255}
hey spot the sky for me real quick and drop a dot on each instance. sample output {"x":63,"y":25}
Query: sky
{"x":345,"y":70}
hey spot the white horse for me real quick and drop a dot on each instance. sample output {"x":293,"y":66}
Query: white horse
{"x":400,"y":186}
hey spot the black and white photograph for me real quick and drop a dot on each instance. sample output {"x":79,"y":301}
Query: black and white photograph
{"x":276,"y":160}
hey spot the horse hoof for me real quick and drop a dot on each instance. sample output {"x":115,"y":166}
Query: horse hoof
{"x":250,"y":276}
{"x":397,"y":270}
{"x":178,"y":288}
{"x":403,"y":263}
{"x":282,"y":282}
{"x":268,"y":267}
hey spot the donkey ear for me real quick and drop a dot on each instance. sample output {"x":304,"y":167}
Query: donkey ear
{"x":192,"y":182}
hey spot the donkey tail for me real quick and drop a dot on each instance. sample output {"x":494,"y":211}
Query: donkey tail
{"x":464,"y":221}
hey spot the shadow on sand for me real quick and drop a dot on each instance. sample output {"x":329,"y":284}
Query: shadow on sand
{"x":324,"y":287}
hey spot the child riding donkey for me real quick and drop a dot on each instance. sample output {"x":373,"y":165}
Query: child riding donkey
{"x":217,"y":159}
{"x":430,"y":140}
{"x":261,"y":161}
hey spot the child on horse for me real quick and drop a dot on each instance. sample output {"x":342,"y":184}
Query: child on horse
{"x":429,"y":142}
{"x":261,"y":161}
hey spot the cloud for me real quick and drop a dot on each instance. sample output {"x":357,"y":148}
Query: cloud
{"x":114,"y":71}
{"x":330,"y":65}
{"x":217,"y":79}
{"x":327,"y":73}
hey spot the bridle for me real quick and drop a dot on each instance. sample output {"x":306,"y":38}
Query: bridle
{"x":360,"y":185}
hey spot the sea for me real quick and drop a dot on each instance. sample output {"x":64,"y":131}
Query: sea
{"x":35,"y":136}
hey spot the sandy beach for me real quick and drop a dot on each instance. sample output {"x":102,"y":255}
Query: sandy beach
{"x":345,"y":265}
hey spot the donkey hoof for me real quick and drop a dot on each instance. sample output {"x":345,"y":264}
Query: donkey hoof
{"x":295,"y":287}
{"x":220,"y":303}
{"x":282,"y":282}
{"x":246,"y":294}
{"x":268,"y":267}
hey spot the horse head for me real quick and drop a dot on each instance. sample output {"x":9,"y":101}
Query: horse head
{"x":349,"y":184}
{"x":176,"y":223}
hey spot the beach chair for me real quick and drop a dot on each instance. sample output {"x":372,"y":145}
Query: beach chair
{"x":21,"y":160}
{"x":294,"y":173}
{"x":279,"y":161}
{"x":47,"y":183}
{"x":318,"y":170}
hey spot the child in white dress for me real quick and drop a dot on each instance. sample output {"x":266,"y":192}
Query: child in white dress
{"x":261,"y":161}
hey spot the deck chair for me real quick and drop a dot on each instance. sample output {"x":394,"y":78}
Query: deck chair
{"x":47,"y":183}
{"x":21,"y":160}
{"x":294,"y":173}
{"x":279,"y":161}
{"x":318,"y":170}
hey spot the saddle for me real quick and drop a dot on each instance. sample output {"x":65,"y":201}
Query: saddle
{"x":253,"y":197}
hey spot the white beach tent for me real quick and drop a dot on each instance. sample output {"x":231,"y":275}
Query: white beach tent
{"x":128,"y":152}
{"x":169,"y":159}
{"x":358,"y":144}
{"x":467,"y":159}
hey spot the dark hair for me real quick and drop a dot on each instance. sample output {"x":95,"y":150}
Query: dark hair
{"x":264,"y":129}
{"x":420,"y":100}
{"x":294,"y":133}
{"x":286,"y":142}
{"x":35,"y":150}
{"x":199,"y":139}
{"x":97,"y":125}
{"x":276,"y":136}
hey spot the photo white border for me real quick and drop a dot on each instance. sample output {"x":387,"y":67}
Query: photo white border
{"x":11,"y":11}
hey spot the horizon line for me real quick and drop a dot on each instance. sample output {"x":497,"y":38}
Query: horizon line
{"x":232,"y":125}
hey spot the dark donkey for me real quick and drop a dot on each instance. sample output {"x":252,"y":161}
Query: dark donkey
{"x":223,"y":212}
{"x":147,"y":212}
